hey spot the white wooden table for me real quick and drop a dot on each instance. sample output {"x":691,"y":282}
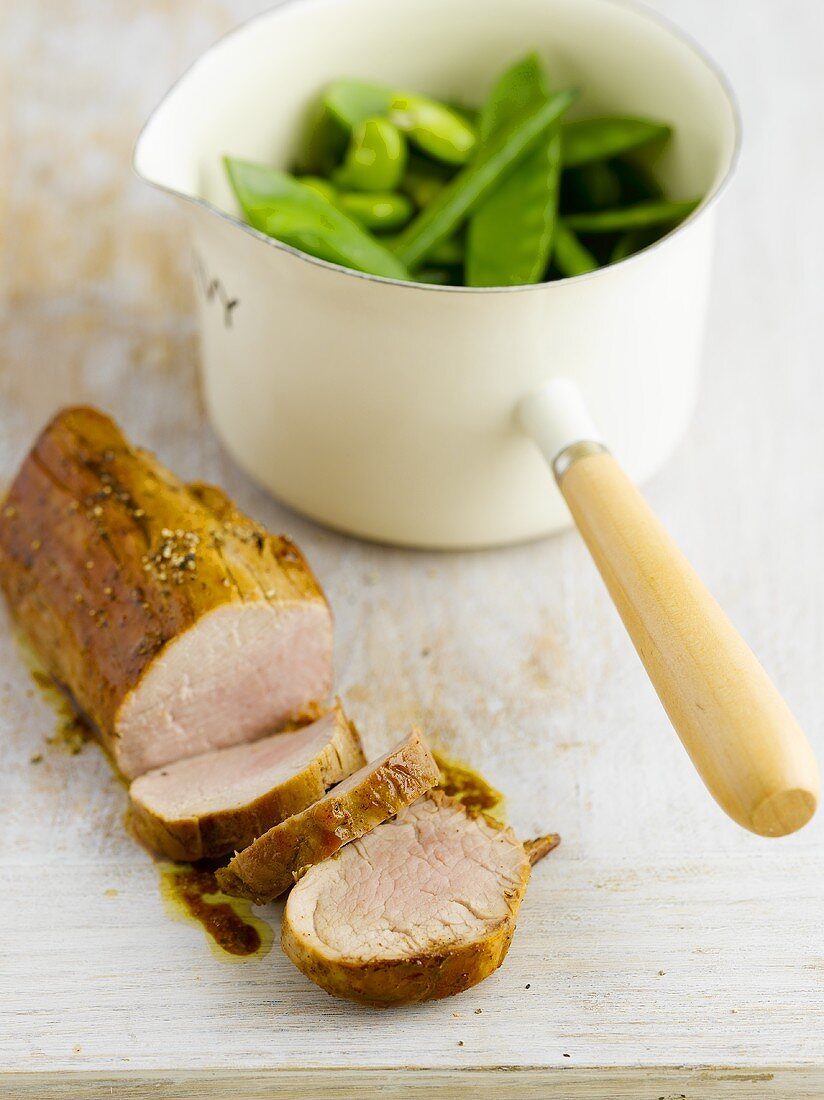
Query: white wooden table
{"x":661,"y":951}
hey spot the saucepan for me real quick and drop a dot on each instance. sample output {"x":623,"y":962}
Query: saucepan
{"x":410,"y":413}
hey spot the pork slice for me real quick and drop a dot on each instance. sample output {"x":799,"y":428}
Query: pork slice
{"x":176,"y":623}
{"x":273,"y":862}
{"x":421,"y":908}
{"x":540,"y":846}
{"x":208,"y":805}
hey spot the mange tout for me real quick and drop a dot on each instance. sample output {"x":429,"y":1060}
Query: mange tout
{"x":510,"y":234}
{"x":478,"y":179}
{"x":512,"y":184}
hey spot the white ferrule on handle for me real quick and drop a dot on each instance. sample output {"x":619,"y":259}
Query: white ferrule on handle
{"x":556,"y":417}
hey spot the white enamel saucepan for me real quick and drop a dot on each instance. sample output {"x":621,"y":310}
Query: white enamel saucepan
{"x":409,"y":413}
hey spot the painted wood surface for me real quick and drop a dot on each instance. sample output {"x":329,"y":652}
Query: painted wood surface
{"x":661,"y":948}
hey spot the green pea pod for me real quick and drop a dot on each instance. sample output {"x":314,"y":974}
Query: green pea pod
{"x":276,"y":204}
{"x":423,"y":179}
{"x":436,"y":276}
{"x":344,"y":104}
{"x":510,"y":232}
{"x":420,"y":189}
{"x":518,"y":90}
{"x":637,"y":183}
{"x":592,"y":186}
{"x":449,"y":253}
{"x":325,"y":145}
{"x":353,"y":101}
{"x":634,"y":240}
{"x":373,"y":210}
{"x":568,"y":254}
{"x":638,"y":216}
{"x":600,"y":138}
{"x":433,"y":127}
{"x":470,"y":115}
{"x":495,"y":159}
{"x":510,"y":236}
{"x":321,"y":186}
{"x":375,"y":159}
{"x":376,"y":210}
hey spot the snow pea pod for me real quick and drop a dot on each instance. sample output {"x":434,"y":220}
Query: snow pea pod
{"x":353,"y":101}
{"x":423,"y":179}
{"x":633,"y":241}
{"x":449,"y":253}
{"x":655,"y":212}
{"x":344,"y":104}
{"x":510,"y":232}
{"x":470,"y":115}
{"x":568,"y":254}
{"x":592,"y":186}
{"x":371,"y":209}
{"x":600,"y":138}
{"x":637,"y":183}
{"x":376,"y":209}
{"x":321,"y":186}
{"x":325,"y":144}
{"x":477,"y":179}
{"x":510,"y":236}
{"x":442,"y":133}
{"x":436,"y":276}
{"x":375,"y":159}
{"x":278,"y":205}
{"x":517,"y":90}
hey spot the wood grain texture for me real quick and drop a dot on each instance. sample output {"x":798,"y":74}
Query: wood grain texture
{"x":513,"y":659}
{"x":739,"y":732}
{"x":515,"y":1083}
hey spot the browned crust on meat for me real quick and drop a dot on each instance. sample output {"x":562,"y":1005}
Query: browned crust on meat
{"x":443,"y":971}
{"x":392,"y":982}
{"x":540,"y":846}
{"x":273,"y":862}
{"x":216,"y":834}
{"x":106,"y":557}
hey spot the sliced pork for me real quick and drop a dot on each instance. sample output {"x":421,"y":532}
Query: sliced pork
{"x":176,"y":623}
{"x":220,"y":801}
{"x":540,"y":846}
{"x":421,"y":908}
{"x":273,"y":862}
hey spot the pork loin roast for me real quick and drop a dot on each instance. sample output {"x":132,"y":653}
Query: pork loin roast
{"x":220,"y":801}
{"x":421,"y":908}
{"x":176,"y":623}
{"x":273,"y":862}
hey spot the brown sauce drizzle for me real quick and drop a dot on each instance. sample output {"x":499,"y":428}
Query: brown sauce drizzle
{"x":463,"y":783}
{"x":228,"y":922}
{"x":468,"y":786}
{"x":71,"y":733}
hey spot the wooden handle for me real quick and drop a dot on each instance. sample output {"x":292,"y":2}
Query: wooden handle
{"x":743,"y":739}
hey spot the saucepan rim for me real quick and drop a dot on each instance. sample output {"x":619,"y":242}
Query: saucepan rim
{"x":641,"y":9}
